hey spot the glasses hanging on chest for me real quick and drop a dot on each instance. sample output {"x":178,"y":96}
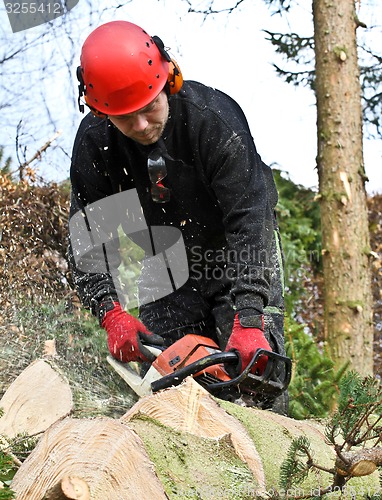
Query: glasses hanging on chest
{"x":157,"y":170}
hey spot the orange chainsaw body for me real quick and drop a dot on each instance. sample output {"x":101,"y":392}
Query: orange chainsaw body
{"x":185,"y":351}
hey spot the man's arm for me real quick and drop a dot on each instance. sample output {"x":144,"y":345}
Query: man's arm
{"x":94,"y":257}
{"x":246,"y":193}
{"x":94,"y":272}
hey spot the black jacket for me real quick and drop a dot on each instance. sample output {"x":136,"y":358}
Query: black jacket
{"x":222,"y":194}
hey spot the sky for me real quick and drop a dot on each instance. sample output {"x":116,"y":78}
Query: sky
{"x":229,"y":52}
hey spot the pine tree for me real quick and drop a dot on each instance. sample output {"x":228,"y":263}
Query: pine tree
{"x":315,"y":383}
{"x":354,"y":430}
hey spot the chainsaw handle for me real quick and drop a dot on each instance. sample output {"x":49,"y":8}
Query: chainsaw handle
{"x":264,"y":380}
{"x":177,"y":377}
{"x":257,"y":381}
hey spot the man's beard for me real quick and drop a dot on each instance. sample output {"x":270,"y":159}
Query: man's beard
{"x":153,"y":134}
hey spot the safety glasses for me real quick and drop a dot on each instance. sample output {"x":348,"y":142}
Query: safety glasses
{"x":156,"y":167}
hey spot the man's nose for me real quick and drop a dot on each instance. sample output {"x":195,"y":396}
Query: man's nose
{"x":140,"y":123}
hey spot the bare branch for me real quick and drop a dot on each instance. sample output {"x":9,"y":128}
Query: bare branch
{"x":37,"y":154}
{"x":211,"y":10}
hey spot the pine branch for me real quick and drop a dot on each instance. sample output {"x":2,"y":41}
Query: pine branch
{"x":5,"y":466}
{"x":293,"y":469}
{"x":366,"y":435}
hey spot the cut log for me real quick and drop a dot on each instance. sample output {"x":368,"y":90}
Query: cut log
{"x":179,"y":443}
{"x":36,"y":399}
{"x":261,"y":438}
{"x":359,"y":463}
{"x":103,"y":453}
{"x":190,"y":408}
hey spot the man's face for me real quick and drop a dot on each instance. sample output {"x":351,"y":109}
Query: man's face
{"x":145,"y":125}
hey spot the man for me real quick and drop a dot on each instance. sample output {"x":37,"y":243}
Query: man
{"x":186,"y":151}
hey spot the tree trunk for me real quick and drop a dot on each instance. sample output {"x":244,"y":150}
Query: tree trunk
{"x":178,"y":443}
{"x":348,"y":299}
{"x":191,"y":409}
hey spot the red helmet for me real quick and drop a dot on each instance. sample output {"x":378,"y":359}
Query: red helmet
{"x":122,"y":68}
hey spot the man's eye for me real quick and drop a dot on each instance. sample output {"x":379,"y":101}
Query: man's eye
{"x":150,"y":108}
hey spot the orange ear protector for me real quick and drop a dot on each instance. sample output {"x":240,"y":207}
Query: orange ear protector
{"x":175,"y":77}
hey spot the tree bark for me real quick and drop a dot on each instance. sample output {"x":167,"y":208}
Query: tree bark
{"x":345,"y":233}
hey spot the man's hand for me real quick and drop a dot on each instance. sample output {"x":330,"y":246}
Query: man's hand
{"x":246,"y":340}
{"x":126,"y":334}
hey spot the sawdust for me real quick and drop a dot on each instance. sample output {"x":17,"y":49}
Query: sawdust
{"x":81,"y":356}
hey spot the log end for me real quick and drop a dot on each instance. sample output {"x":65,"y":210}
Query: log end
{"x":75,"y":488}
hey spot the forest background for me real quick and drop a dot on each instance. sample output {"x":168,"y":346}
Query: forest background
{"x":38,"y":303}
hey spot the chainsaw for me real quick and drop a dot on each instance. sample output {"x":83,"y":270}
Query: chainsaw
{"x":201,"y":358}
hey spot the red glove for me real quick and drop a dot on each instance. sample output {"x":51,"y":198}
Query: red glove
{"x":246,"y":340}
{"x":125,"y":334}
